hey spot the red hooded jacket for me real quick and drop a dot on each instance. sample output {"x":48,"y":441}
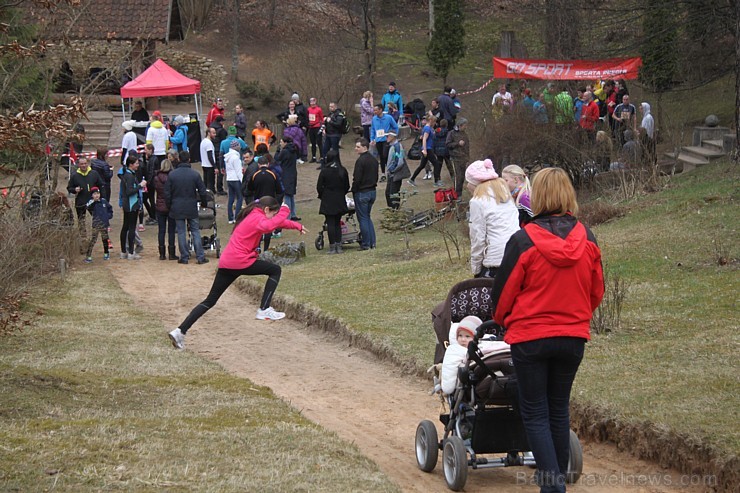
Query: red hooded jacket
{"x":550,"y":281}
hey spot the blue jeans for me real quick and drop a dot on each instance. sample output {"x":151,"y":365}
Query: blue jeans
{"x":235,"y":193}
{"x":331,"y":142}
{"x":182,"y":238}
{"x":363,"y":207}
{"x":290,"y":200}
{"x":545,"y":370}
{"x":166,"y":225}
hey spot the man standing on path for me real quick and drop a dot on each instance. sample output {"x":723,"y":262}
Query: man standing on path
{"x":139,"y":115}
{"x":392,"y":96}
{"x":364,"y":184}
{"x":80,"y":184}
{"x":459,"y":145}
{"x":333,"y":125}
{"x":183,"y":190}
{"x":382,"y":124}
{"x":240,"y":122}
{"x":216,"y":110}
{"x":208,"y":159}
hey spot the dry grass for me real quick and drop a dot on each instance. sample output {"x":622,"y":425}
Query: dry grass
{"x":92,"y":400}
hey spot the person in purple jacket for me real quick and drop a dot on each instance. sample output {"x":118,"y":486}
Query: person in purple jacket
{"x":295,"y":132}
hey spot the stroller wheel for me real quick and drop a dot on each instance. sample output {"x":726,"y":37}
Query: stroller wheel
{"x":319,"y":242}
{"x":575,"y":459}
{"x":427,"y":446}
{"x":455,"y":461}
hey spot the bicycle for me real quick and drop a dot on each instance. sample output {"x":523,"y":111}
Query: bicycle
{"x":454,"y":208}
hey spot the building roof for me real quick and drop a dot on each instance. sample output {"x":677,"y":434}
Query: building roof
{"x":124,"y":20}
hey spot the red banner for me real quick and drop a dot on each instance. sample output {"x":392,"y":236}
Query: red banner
{"x":519,"y":68}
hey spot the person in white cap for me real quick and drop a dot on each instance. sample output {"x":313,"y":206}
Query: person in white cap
{"x":397,"y":169}
{"x":129,"y":141}
{"x":457,"y":351}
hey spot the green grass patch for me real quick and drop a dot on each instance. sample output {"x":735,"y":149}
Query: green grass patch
{"x":93,"y":399}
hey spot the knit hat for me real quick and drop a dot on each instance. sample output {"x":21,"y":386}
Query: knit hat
{"x":94,"y":190}
{"x":461,"y":121}
{"x":295,"y":97}
{"x":480,"y":171}
{"x":232,"y":130}
{"x":128,"y":125}
{"x":179,"y":120}
{"x":157,"y":113}
{"x":469,"y":324}
{"x":235,"y":145}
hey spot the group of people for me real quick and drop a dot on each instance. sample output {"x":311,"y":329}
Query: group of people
{"x":601,"y":110}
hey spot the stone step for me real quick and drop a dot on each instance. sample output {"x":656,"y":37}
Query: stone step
{"x":715,"y":145}
{"x":688,"y":161}
{"x":702,"y":152}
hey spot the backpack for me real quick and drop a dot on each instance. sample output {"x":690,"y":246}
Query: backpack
{"x":344,"y":124}
{"x":415,"y":150}
{"x":439,"y":145}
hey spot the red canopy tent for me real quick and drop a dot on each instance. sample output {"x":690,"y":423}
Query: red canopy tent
{"x":161,"y":80}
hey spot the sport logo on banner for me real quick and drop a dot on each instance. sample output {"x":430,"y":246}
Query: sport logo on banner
{"x":613,"y":68}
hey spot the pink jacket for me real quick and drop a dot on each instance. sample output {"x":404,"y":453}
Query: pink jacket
{"x":241,"y":251}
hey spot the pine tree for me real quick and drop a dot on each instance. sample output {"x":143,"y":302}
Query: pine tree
{"x":447,"y":45}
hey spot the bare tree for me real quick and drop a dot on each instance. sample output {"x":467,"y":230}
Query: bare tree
{"x":235,"y":42}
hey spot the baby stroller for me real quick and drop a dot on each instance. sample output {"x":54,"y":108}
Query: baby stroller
{"x":350,"y":229}
{"x":481,"y":417}
{"x":207,"y":221}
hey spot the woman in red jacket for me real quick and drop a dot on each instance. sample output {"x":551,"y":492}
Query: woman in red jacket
{"x":548,"y":285}
{"x":239,"y":258}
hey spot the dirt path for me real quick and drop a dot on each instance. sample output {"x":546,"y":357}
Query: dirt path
{"x":344,"y":390}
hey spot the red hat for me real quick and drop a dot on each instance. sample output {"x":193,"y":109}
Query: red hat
{"x":157,"y":113}
{"x":94,"y":189}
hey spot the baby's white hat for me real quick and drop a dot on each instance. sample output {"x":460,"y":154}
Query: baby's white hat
{"x":469,"y":324}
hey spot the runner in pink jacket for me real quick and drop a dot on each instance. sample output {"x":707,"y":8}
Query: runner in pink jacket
{"x":240,"y":258}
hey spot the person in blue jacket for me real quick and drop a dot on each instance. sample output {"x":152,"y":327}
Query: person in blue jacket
{"x":381,"y":125}
{"x":179,"y":139}
{"x":392,"y":96}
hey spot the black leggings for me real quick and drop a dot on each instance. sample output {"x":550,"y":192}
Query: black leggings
{"x":432,"y":158}
{"x":224,"y":278}
{"x":334,"y":228}
{"x":128,"y":231}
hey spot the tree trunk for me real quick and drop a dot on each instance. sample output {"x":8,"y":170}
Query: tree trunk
{"x":273,"y":6}
{"x":431,"y":18}
{"x":369,"y":41}
{"x":235,"y":42}
{"x":737,"y":81}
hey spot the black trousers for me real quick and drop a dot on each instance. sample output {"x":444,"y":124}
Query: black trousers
{"x":317,"y":141}
{"x":224,"y":279}
{"x":334,"y":228}
{"x":128,"y":231}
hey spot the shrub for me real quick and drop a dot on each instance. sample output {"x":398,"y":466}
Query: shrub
{"x":254,"y":91}
{"x":608,"y":316}
{"x":598,"y":212}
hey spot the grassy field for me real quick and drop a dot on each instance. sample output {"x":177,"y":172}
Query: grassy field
{"x":673,"y":360}
{"x":92,"y":400}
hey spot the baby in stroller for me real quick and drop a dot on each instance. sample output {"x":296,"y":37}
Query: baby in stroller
{"x":479,"y":394}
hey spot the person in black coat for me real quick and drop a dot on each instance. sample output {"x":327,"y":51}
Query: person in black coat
{"x":183,"y":190}
{"x":101,"y":166}
{"x":287,"y":159}
{"x":80,"y":184}
{"x":332,"y":186}
{"x":265,"y":182}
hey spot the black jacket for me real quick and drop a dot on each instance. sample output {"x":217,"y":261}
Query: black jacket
{"x":365,"y":175}
{"x":336,"y":122}
{"x":183,"y":190}
{"x":287,"y":158}
{"x":332,"y":185}
{"x":85,"y":182}
{"x":264,"y":182}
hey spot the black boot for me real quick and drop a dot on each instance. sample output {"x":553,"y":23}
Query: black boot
{"x":162,"y":256}
{"x":338,"y":248}
{"x":171,"y":251}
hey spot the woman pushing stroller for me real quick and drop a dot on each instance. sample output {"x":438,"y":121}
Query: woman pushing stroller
{"x":240,"y":258}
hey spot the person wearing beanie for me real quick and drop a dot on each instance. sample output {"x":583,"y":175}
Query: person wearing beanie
{"x":457,"y":352}
{"x":179,"y":139}
{"x":397,"y":170}
{"x":493,"y":218}
{"x":226,"y":145}
{"x":101,"y":212}
{"x":129,"y":141}
{"x":233,"y":169}
{"x":458,"y":144}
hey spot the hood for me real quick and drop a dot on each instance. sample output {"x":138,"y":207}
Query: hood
{"x":645,"y":108}
{"x":157,"y":124}
{"x":560,"y":239}
{"x":86,"y":172}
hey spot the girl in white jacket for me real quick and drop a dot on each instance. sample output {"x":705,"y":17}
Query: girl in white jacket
{"x":457,"y":352}
{"x":493,"y":219}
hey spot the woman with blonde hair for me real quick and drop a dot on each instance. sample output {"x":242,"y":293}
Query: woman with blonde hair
{"x":366,"y":113}
{"x":493,"y":218}
{"x":545,"y":292}
{"x":520,"y":188}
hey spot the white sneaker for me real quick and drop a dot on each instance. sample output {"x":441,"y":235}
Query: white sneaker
{"x":134,"y":256}
{"x":269,"y":313}
{"x":177,"y":338}
{"x":300,"y":161}
{"x":427,"y":176}
{"x":124,"y":255}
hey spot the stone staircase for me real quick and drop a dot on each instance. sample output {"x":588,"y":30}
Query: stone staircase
{"x":709,"y":143}
{"x":97,"y":130}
